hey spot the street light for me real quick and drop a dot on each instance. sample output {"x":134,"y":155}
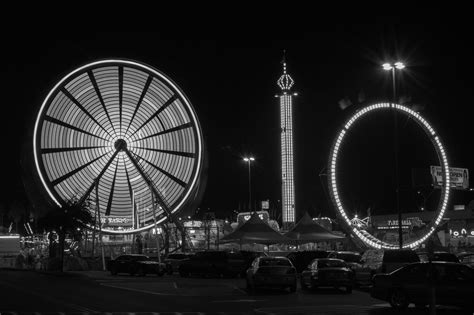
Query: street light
{"x":249,"y":160}
{"x":387,"y":67}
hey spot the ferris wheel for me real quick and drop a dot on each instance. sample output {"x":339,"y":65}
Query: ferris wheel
{"x":124,"y":134}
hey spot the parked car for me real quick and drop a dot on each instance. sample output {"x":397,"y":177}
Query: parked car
{"x":327,"y":272}
{"x":375,"y":261}
{"x":271,"y":272}
{"x":438,"y":256}
{"x":411,"y":284}
{"x":216,"y":263}
{"x":173,"y":261}
{"x":466,"y":258}
{"x":135,"y":264}
{"x":301,"y":259}
{"x":352,"y":259}
{"x":249,"y":257}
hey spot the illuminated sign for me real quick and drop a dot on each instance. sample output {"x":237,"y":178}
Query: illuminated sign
{"x":462,"y":232}
{"x":9,"y":244}
{"x":244,"y":216}
{"x":406,"y":224}
{"x":459,"y":177}
{"x":116,"y":220}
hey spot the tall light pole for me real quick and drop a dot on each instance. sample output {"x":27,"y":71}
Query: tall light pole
{"x":249,"y":160}
{"x":393,"y":67}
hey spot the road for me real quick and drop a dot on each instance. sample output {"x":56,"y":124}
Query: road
{"x":23,"y":292}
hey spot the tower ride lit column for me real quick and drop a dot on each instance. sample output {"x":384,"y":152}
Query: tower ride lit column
{"x":285,"y":82}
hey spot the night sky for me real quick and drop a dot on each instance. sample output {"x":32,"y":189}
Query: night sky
{"x":231,"y":83}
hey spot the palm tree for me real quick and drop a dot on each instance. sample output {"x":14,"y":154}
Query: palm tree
{"x":68,"y":219}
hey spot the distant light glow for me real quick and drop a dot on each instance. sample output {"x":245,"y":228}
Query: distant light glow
{"x":387,"y":66}
{"x":362,"y":234}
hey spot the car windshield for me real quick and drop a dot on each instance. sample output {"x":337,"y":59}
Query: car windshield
{"x":349,"y":257}
{"x":177,"y":256}
{"x":140,"y":258}
{"x":211,"y":255}
{"x":445,"y":257}
{"x":331,"y":263}
{"x":400,"y":256}
{"x":274,"y":262}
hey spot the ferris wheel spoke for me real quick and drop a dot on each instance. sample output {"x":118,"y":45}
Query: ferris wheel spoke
{"x":147,"y":179}
{"x":179,"y":153}
{"x":162,"y":108}
{"x":71,"y":173}
{"x":181,"y":127}
{"x":120,"y":98}
{"x":99,"y":95}
{"x":66,"y":125}
{"x":91,"y":187}
{"x":171,"y":176}
{"x":57,"y":150}
{"x":109,"y":203}
{"x":130,"y":189}
{"x":78,"y":104}
{"x":140,"y":100}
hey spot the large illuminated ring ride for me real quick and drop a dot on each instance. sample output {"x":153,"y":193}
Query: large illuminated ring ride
{"x":127,"y":127}
{"x":333,"y":185}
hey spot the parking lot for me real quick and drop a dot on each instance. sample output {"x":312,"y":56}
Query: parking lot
{"x":93,"y":292}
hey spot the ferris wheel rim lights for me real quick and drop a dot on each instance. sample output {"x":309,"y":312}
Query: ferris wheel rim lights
{"x":441,"y":153}
{"x":191,"y":183}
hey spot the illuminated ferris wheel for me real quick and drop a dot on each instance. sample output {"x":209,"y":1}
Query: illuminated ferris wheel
{"x":122,"y":133}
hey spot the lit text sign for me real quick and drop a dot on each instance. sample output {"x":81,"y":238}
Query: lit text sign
{"x":459,"y":177}
{"x":116,"y":220}
{"x":406,"y":223}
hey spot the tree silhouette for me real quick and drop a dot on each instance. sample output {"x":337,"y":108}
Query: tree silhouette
{"x":69,"y":219}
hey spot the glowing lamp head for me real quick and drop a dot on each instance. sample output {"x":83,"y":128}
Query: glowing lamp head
{"x":248,"y":159}
{"x":387,"y":66}
{"x":399,"y":65}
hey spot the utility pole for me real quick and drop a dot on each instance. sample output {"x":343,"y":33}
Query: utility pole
{"x":390,"y":67}
{"x":158,"y":249}
{"x":100,"y":224}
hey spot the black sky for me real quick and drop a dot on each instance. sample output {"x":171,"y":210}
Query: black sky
{"x":231,"y":82}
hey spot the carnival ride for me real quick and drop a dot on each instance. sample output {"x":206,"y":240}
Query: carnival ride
{"x":359,"y":229}
{"x":122,"y":134}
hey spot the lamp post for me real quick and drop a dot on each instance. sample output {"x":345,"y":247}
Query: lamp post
{"x":393,"y":67}
{"x":249,"y":160}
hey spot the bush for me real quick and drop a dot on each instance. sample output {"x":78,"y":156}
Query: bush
{"x":20,"y":262}
{"x":72,"y":263}
{"x":53,"y":264}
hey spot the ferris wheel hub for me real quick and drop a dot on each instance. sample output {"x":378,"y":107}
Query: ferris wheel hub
{"x":120,"y":145}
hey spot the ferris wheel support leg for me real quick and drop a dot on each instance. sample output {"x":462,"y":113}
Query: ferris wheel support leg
{"x":159,"y":197}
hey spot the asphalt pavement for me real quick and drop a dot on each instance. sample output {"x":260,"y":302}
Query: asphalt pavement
{"x":97,"y":292}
